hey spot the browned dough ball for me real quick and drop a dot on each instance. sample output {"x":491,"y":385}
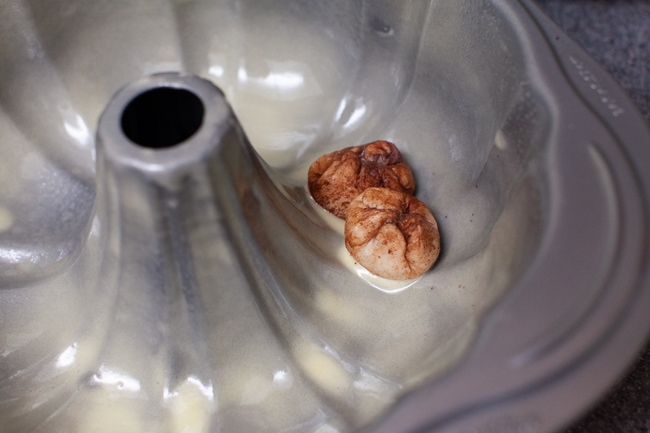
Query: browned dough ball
{"x":392,"y":234}
{"x":337,"y":178}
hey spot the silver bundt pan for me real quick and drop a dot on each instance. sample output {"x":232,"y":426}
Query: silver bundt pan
{"x":164,"y":269}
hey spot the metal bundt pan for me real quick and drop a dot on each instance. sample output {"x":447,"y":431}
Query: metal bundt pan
{"x":164,"y":269}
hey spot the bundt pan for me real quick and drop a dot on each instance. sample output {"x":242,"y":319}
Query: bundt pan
{"x":163,"y":267}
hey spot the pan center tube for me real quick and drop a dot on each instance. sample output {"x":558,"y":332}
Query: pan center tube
{"x":160,"y":145}
{"x":162,"y":117}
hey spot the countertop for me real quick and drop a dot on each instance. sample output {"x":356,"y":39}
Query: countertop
{"x":615,"y":33}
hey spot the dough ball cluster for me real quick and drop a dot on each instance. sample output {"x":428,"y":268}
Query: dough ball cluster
{"x":387,"y":230}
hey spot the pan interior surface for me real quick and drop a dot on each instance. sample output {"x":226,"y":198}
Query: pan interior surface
{"x":276,"y":328}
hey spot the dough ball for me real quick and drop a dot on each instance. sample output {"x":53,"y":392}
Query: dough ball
{"x":391,"y":234}
{"x":337,"y":178}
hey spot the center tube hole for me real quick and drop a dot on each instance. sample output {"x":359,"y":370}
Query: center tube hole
{"x":162,"y":117}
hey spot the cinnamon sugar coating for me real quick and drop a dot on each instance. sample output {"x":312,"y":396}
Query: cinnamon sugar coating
{"x":337,"y":178}
{"x":392,"y":234}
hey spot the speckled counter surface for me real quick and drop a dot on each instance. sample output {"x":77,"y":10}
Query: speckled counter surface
{"x":616,"y":34}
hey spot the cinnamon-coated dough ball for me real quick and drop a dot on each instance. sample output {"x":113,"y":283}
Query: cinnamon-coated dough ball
{"x":337,"y":178}
{"x":392,"y":234}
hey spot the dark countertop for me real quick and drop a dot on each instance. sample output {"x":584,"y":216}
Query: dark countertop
{"x":616,"y":33}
